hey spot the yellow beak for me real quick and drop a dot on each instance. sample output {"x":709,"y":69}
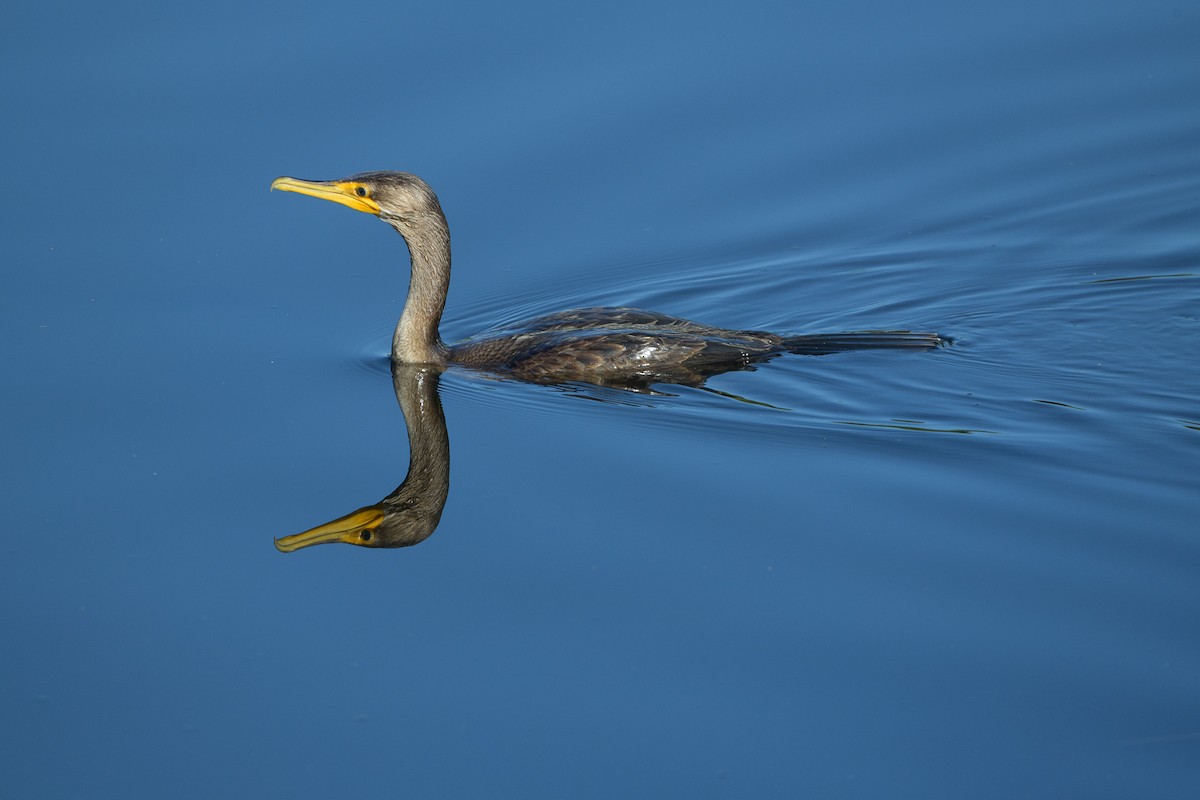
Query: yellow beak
{"x":355,"y":528}
{"x":349,"y":193}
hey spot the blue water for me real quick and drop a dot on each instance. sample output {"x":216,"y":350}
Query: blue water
{"x":973,"y":572}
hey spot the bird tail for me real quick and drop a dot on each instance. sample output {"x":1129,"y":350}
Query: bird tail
{"x":819,"y":344}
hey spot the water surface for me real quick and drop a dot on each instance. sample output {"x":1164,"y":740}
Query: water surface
{"x":970,"y":572}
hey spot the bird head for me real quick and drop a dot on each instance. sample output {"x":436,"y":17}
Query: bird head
{"x":392,"y":196}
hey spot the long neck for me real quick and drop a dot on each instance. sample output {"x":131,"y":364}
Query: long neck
{"x":416,"y":340}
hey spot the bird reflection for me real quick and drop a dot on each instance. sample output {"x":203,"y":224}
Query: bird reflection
{"x":410,"y":514}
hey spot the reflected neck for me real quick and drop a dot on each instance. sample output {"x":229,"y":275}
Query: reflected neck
{"x":419,"y":500}
{"x":416,"y":340}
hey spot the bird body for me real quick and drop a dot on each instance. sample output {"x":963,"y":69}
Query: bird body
{"x":631,"y":347}
{"x":622,"y":347}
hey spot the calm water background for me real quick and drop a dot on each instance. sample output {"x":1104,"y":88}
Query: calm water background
{"x":968,"y":573}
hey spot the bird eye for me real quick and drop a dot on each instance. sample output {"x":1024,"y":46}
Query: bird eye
{"x":361,"y":191}
{"x":364,"y":535}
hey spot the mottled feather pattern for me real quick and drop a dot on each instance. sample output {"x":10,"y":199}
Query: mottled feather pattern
{"x":636,"y":348}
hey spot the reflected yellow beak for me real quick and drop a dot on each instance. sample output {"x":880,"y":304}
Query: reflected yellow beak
{"x":349,"y":193}
{"x":357,"y":527}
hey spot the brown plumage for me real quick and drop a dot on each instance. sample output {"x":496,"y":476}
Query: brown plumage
{"x":621,"y":347}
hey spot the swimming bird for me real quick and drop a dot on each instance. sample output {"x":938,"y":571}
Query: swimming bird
{"x":620,"y":347}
